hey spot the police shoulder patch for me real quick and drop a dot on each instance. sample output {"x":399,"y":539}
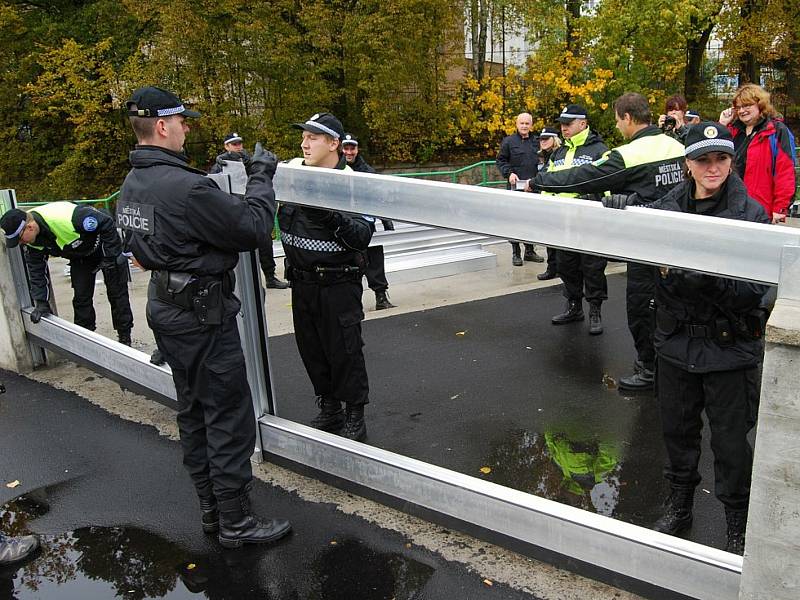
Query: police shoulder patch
{"x":90,"y":223}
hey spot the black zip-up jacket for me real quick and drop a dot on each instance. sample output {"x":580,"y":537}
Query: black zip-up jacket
{"x":101,"y":239}
{"x":360,"y":165}
{"x":714,"y":297}
{"x":518,"y":156}
{"x":339,"y":240}
{"x":177,"y":219}
{"x":650,"y":165}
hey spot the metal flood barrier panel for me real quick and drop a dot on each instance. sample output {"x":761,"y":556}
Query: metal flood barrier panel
{"x":741,"y":250}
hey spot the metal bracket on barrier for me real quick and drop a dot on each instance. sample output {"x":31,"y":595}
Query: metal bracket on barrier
{"x":789,"y":281}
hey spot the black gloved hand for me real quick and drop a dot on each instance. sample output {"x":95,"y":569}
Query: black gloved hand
{"x":319,"y":215}
{"x":618,"y":200}
{"x":233,"y":156}
{"x":388,"y":225}
{"x":42,"y":309}
{"x":262,"y":161}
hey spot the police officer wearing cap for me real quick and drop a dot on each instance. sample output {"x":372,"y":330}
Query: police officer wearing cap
{"x":189,"y":233}
{"x":692,"y":117}
{"x":583,"y":274}
{"x":650,"y":164}
{"x":234,"y":151}
{"x":326,"y":258}
{"x":89,"y":239}
{"x":376,"y":269}
{"x":709,"y":343}
{"x":549,"y":142}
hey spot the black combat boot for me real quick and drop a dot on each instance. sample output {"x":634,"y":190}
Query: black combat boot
{"x":677,"y":515}
{"x":330,"y":417}
{"x":238,"y":525}
{"x":157,"y":358}
{"x":531,"y":256}
{"x":354,"y":427}
{"x":595,"y":320}
{"x":737,"y":525}
{"x":574,"y":312}
{"x":642,"y":378}
{"x":124,"y":337}
{"x":548,"y":274}
{"x":273,"y":283}
{"x":14,"y":550}
{"x":382,"y":301}
{"x":210,"y":514}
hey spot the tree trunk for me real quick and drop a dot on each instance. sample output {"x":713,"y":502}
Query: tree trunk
{"x":573,"y":14}
{"x":695,"y":52}
{"x":749,"y":68}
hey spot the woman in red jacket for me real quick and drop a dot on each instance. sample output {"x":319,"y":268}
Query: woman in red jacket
{"x":764,"y":158}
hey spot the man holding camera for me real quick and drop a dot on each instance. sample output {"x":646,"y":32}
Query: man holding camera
{"x":189,"y":234}
{"x":88,"y":238}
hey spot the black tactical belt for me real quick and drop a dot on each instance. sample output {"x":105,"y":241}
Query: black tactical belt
{"x":325,"y":274}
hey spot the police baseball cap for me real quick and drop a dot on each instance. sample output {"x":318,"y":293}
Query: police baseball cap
{"x":349,"y":138}
{"x":323,"y":123}
{"x":708,"y":137}
{"x":692,"y":114}
{"x":13,"y":222}
{"x":154,"y":102}
{"x":548,"y":132}
{"x":232,"y":138}
{"x":571,"y":112}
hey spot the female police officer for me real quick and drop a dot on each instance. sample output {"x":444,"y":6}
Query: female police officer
{"x":708,"y":345}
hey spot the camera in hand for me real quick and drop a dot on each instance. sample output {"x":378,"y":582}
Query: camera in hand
{"x":669,"y":123}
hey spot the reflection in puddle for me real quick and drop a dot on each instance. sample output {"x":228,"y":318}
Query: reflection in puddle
{"x":126,"y":562}
{"x":577,"y":470}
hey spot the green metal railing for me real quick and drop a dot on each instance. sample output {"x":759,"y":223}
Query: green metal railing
{"x":106,"y":202}
{"x":459,"y":175}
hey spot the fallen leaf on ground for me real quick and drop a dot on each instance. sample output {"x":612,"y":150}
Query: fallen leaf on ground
{"x":454,"y":397}
{"x":488,"y":582}
{"x":461,"y":333}
{"x":191,"y":566}
{"x":486,"y":470}
{"x":13,"y":484}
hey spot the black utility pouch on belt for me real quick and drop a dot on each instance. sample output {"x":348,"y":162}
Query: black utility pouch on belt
{"x":208,"y":304}
{"x":175,"y":288}
{"x":723,"y":332}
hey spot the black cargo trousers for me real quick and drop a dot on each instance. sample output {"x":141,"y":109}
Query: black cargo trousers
{"x":583,"y":274}
{"x":730,"y":400}
{"x":82,"y":276}
{"x":215,"y":410}
{"x":639,"y":293}
{"x":327,"y":323}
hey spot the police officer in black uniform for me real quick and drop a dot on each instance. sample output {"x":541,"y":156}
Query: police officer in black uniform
{"x":189,"y":233}
{"x":89,"y":239}
{"x":234,"y":151}
{"x":376,"y":265}
{"x":709,"y":344}
{"x":325,"y":258}
{"x":651,"y":164}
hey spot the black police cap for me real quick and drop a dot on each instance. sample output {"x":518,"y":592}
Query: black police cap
{"x":349,"y":138}
{"x":549,"y":132}
{"x":706,"y":137}
{"x":152,"y":101}
{"x":323,"y":123}
{"x":571,"y":112}
{"x":13,"y":222}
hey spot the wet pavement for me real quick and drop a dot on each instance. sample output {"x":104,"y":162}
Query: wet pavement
{"x":492,"y":389}
{"x":118,"y":519}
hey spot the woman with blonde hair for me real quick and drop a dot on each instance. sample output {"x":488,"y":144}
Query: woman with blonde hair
{"x":764,"y":157}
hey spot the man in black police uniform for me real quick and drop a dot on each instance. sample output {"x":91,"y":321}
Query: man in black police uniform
{"x":582,"y":274}
{"x":651,"y":164}
{"x":376,"y":269}
{"x":325,"y":257}
{"x":189,"y":233}
{"x":89,"y":239}
{"x":234,"y":151}
{"x":518,"y":160}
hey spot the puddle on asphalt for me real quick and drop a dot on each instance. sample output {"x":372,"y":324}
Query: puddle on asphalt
{"x":134,"y":564}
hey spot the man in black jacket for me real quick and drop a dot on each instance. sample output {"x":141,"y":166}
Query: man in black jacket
{"x":189,"y":233}
{"x":376,"y":269}
{"x":518,"y":161}
{"x":234,"y":151}
{"x":650,"y":164}
{"x":582,"y":274}
{"x":89,"y":239}
{"x":325,"y":258}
